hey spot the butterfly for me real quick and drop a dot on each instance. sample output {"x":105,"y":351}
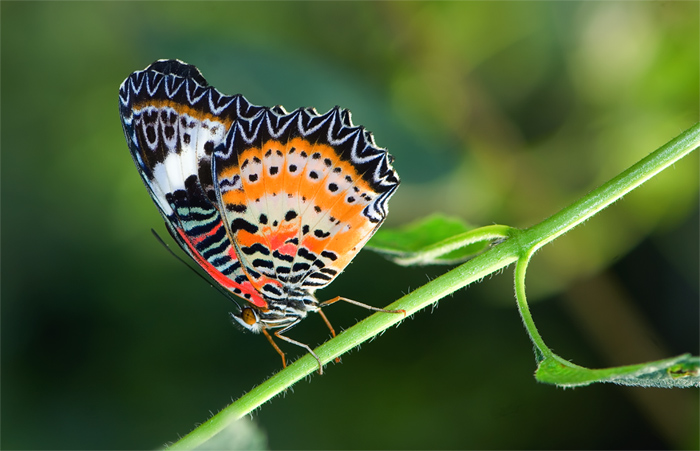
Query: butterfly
{"x":273,"y":205}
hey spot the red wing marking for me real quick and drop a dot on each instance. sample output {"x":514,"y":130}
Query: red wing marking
{"x":220,"y":278}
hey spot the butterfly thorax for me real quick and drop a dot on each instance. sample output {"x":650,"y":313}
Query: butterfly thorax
{"x":279,"y":313}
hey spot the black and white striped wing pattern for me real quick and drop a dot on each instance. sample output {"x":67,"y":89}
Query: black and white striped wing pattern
{"x":173,"y":120}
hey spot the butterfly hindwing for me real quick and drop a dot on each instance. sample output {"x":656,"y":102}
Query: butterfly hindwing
{"x":301,"y":193}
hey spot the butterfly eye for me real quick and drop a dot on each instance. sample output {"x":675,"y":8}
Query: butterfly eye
{"x":248,"y":316}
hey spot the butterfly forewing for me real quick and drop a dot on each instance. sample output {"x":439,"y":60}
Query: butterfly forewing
{"x":173,"y":121}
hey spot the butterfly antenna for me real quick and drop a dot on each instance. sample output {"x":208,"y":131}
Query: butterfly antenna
{"x":184,"y":262}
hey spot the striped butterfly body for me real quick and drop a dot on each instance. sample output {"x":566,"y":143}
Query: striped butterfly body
{"x":272,"y":205}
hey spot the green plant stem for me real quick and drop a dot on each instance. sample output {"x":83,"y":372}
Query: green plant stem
{"x":480,"y":266}
{"x":586,"y":207}
{"x":601,"y":197}
{"x":520,"y":246}
{"x":543,"y":350}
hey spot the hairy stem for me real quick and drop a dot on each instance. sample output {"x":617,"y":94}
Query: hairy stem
{"x":519,"y":246}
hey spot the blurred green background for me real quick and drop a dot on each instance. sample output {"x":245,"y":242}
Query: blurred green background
{"x":495,"y":112}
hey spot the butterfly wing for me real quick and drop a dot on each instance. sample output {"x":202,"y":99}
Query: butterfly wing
{"x":173,"y":120}
{"x":301,"y":193}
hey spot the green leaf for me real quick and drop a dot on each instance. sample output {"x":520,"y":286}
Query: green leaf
{"x":681,"y":372}
{"x":436,"y":239}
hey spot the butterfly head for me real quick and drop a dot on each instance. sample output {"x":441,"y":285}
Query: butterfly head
{"x":248,"y":319}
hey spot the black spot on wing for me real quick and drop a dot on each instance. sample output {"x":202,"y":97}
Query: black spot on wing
{"x":241,"y":224}
{"x":269,"y":288}
{"x":261,"y":263}
{"x":257,"y":247}
{"x":301,"y":266}
{"x":279,"y":256}
{"x":237,"y":208}
{"x":305,"y":254}
{"x":321,"y":234}
{"x":329,"y":255}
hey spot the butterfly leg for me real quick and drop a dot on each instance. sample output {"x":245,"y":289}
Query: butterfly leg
{"x":328,"y":323}
{"x":350,"y":301}
{"x":279,"y":335}
{"x":277,"y":348}
{"x":359,"y":304}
